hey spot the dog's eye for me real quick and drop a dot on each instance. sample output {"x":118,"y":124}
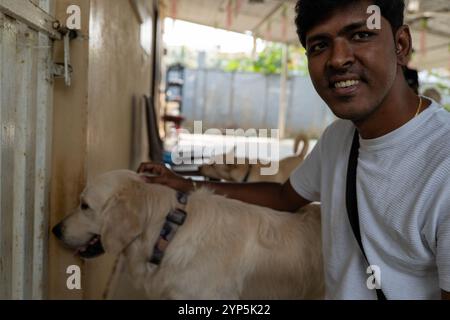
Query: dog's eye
{"x":84,"y":206}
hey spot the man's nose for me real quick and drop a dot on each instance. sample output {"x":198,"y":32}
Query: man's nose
{"x":342,"y":55}
{"x":57,"y":230}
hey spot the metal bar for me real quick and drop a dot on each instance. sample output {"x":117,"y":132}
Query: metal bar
{"x":266,"y":102}
{"x":195,"y":95}
{"x":30,"y":14}
{"x":283,"y":92}
{"x":2,"y":255}
{"x":42,"y":169}
{"x":30,"y":136}
{"x":255,"y":48}
{"x":23,"y":62}
{"x":7,"y":127}
{"x":41,"y":186}
{"x":205,"y":95}
{"x":231,"y":106}
{"x":67,"y":60}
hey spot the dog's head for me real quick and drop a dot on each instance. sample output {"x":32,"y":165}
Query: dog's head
{"x":109,"y":217}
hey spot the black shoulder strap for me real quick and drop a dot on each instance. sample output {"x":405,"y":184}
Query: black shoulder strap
{"x":351,"y":200}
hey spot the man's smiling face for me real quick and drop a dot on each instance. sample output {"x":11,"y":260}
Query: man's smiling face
{"x":352,"y":67}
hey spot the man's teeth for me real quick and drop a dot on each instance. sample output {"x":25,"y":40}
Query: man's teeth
{"x":346,"y":84}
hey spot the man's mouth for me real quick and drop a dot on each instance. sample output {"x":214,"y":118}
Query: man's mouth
{"x":346,"y":84}
{"x":345,"y":87}
{"x":91,"y":250}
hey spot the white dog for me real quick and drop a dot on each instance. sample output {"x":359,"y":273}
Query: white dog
{"x":225,"y":249}
{"x":252,"y":172}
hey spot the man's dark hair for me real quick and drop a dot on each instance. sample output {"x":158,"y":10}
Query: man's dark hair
{"x":312,"y":12}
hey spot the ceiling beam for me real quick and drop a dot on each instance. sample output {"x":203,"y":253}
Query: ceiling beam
{"x":434,"y":32}
{"x":271,"y":13}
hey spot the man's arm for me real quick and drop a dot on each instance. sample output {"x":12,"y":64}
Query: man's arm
{"x":445,"y":295}
{"x":281,"y":197}
{"x":272,"y":195}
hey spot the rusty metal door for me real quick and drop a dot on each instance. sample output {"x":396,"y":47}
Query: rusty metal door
{"x":26,"y":89}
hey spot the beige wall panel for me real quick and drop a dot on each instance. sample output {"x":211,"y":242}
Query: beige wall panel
{"x":69,"y":148}
{"x":119,"y":70}
{"x":95,"y":123}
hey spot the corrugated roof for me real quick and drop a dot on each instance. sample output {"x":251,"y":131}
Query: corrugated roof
{"x":273,"y":20}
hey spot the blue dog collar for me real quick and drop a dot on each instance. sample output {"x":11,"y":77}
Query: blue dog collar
{"x":175,"y":219}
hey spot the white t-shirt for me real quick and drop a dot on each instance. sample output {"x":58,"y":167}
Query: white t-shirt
{"x":403,"y":192}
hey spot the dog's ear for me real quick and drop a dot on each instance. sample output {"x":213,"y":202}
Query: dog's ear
{"x":124,"y":217}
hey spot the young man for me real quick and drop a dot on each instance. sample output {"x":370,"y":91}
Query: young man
{"x":403,"y":170}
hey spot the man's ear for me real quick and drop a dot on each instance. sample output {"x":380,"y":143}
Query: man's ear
{"x":403,"y":45}
{"x":124,"y":218}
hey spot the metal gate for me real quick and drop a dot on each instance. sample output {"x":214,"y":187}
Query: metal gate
{"x":26,"y":89}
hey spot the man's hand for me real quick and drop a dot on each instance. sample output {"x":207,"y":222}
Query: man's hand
{"x":272,"y":195}
{"x":160,"y":174}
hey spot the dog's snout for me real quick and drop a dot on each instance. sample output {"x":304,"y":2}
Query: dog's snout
{"x":57,"y":230}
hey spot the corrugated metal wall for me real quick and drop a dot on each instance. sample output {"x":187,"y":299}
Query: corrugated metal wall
{"x":251,"y":100}
{"x":25,"y":140}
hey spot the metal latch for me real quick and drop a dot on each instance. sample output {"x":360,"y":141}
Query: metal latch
{"x":64,"y":70}
{"x":59,"y":71}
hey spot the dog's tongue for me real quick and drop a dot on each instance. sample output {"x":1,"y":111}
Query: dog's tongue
{"x":84,"y":248}
{"x":80,"y":250}
{"x":94,"y":241}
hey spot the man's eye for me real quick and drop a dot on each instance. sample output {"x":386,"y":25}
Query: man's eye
{"x":362,"y":35}
{"x":84,"y":206}
{"x":317,"y":47}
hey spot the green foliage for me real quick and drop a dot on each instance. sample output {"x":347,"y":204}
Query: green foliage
{"x":269,"y":61}
{"x":443,"y":88}
{"x":442,"y":85}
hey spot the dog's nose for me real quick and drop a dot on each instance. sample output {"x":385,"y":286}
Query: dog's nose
{"x":57,"y":230}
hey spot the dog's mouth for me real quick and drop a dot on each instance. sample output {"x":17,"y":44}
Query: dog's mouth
{"x":92,"y":249}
